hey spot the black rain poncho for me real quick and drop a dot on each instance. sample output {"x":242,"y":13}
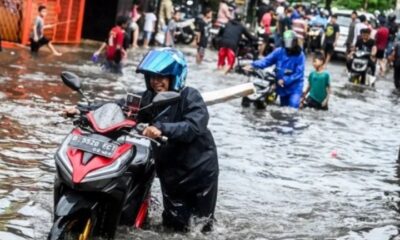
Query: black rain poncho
{"x":187,"y":165}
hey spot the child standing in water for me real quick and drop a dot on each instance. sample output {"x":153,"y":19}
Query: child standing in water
{"x":149,"y":26}
{"x":203,"y":31}
{"x":37,"y":37}
{"x":318,"y":88}
{"x":171,"y":29}
{"x":116,"y":46}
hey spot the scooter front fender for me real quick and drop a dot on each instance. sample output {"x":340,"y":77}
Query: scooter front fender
{"x":70,"y":203}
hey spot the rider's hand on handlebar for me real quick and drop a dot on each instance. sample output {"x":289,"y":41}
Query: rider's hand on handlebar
{"x":70,"y":111}
{"x":281,"y":83}
{"x":152,"y":132}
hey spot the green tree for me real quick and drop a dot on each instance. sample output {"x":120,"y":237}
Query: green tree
{"x":369,"y":5}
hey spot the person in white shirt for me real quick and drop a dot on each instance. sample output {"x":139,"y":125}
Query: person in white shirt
{"x":149,"y":26}
{"x":280,"y":10}
{"x":224,"y":13}
{"x":359,"y":26}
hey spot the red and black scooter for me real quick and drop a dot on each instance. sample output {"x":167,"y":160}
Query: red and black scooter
{"x":104,"y":169}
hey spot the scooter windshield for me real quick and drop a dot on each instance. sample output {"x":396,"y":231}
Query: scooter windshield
{"x":108,"y":115}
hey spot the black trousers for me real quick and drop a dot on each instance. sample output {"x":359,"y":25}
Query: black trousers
{"x":396,"y":71}
{"x":36,"y":45}
{"x":180,"y":207}
{"x":311,"y":103}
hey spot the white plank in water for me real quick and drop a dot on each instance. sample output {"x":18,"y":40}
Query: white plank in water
{"x":227,"y":94}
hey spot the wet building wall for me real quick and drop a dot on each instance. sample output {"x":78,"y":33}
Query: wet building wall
{"x":17,"y":18}
{"x":10,"y":20}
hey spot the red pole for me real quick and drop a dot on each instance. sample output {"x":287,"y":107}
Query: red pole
{"x":80,"y":21}
{"x":56,"y":12}
{"x":26,"y":23}
{"x":68,"y":18}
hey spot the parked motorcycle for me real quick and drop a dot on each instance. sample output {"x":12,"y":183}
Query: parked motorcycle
{"x":187,"y":9}
{"x":247,"y":50}
{"x":359,"y":72}
{"x":105,"y":169}
{"x":215,"y":36}
{"x":185,"y":31}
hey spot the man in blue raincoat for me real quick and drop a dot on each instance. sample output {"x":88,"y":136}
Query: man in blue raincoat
{"x":290,"y":63}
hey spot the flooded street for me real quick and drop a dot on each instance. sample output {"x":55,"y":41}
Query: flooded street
{"x":279,"y":178}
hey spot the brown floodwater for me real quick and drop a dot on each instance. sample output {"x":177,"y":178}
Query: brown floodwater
{"x":278,"y":178}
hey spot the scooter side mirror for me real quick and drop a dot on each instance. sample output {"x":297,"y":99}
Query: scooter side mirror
{"x":165,"y":98}
{"x":71,"y":80}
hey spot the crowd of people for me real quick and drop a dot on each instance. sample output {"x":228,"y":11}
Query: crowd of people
{"x":284,"y":38}
{"x":280,"y":22}
{"x":164,"y":33}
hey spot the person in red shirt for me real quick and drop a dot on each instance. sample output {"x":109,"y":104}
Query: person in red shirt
{"x":266,"y":25}
{"x":115,"y":51}
{"x":382,"y":40}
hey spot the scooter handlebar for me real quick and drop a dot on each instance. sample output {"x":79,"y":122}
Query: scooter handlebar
{"x":141,"y":126}
{"x":83,"y":108}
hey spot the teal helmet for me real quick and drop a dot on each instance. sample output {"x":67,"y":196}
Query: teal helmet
{"x":165,"y":62}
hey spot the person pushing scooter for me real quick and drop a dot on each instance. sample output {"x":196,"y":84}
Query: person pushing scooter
{"x":290,"y":63}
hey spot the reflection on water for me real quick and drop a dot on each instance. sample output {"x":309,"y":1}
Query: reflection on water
{"x":279,"y":178}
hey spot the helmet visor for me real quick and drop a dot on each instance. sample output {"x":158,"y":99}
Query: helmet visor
{"x":157,"y":63}
{"x":165,"y":62}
